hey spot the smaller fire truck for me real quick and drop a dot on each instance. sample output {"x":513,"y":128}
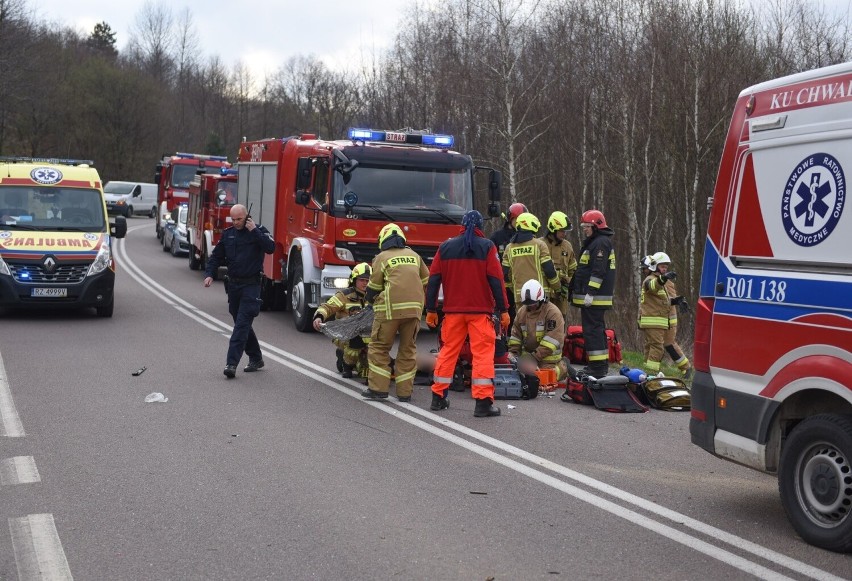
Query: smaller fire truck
{"x":325,"y":201}
{"x":211,"y":196}
{"x":173,"y":175}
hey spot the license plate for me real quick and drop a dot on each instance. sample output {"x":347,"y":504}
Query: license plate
{"x":49,"y":292}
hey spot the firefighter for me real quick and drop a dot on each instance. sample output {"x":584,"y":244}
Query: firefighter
{"x":503,"y":236}
{"x":352,"y":354}
{"x":654,"y":308}
{"x":469,"y":271}
{"x":527,"y":257}
{"x":538,"y":333}
{"x":592,"y":288}
{"x":396,"y":291}
{"x":242,"y":246}
{"x":670,"y":345}
{"x":564,"y":260}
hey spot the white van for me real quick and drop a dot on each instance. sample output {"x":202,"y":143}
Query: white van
{"x":131,"y":198}
{"x":773,"y":325}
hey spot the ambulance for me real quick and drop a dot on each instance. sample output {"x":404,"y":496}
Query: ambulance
{"x":55,"y":240}
{"x":773,"y":336}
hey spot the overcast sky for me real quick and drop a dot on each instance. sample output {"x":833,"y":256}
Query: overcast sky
{"x":263,"y":34}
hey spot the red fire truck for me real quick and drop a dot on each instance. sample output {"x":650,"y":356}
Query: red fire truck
{"x":173,"y":175}
{"x":210,"y":199}
{"x":325,"y":201}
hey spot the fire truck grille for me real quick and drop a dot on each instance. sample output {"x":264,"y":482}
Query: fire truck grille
{"x":62,"y":274}
{"x":367,"y":252}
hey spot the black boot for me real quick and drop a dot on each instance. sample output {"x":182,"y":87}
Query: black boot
{"x":485,"y":409}
{"x":347,"y":371}
{"x":438,"y":402}
{"x":339,"y":353}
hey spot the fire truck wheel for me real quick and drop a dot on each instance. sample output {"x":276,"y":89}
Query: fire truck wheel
{"x":815,"y":481}
{"x":302,"y":314}
{"x":194,"y":263}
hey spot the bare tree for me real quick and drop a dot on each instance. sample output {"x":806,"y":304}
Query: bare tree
{"x":152,"y":40}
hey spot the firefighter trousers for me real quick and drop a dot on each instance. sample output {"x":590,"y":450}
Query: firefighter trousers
{"x":653,"y":350}
{"x":455,"y":328}
{"x":594,"y":338}
{"x":674,"y":350}
{"x":378,"y":355}
{"x":244,"y":305}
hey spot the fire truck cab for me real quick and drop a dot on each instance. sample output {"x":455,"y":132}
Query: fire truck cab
{"x":325,"y":201}
{"x":211,"y":196}
{"x":173,"y":175}
{"x":773,"y":329}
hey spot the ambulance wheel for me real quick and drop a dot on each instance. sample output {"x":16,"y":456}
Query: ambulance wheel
{"x":302,"y":314}
{"x":106,"y":310}
{"x":815,"y":481}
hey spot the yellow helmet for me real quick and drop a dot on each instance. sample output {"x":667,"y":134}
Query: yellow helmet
{"x":528,"y":222}
{"x":360,"y":270}
{"x":389,"y":230}
{"x":558,"y":221}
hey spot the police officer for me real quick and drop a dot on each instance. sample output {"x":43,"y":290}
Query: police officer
{"x":469,"y":271}
{"x":501,"y":239}
{"x":527,"y":257}
{"x":593,"y":286}
{"x":564,"y":260}
{"x":242,"y":247}
{"x":352,"y":353}
{"x":396,"y":292}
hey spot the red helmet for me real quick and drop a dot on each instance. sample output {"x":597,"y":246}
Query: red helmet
{"x":515,"y":210}
{"x":594,"y":217}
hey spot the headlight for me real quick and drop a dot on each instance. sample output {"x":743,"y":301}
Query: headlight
{"x":102,"y":261}
{"x":4,"y":268}
{"x":344,"y":254}
{"x":333,"y":282}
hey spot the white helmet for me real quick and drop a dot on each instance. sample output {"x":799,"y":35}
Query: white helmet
{"x":658,"y":258}
{"x":532,"y":292}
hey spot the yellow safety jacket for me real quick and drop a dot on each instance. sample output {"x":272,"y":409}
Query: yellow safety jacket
{"x":540,"y":332}
{"x":654,"y":304}
{"x":564,"y":260}
{"x":399,"y":275}
{"x":523,"y":261}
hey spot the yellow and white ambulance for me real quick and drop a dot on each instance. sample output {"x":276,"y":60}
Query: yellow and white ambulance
{"x":54,"y":236}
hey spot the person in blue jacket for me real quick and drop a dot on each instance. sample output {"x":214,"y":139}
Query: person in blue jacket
{"x":242,"y":247}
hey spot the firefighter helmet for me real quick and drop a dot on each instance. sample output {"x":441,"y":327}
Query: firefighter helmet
{"x":515,"y":210}
{"x":360,"y":270}
{"x":658,"y":258}
{"x":558,"y":221}
{"x":528,"y":222}
{"x":646,"y":262}
{"x":595,"y":218}
{"x":389,"y":230}
{"x":532,"y":293}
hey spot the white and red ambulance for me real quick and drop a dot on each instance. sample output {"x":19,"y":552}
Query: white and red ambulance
{"x":773,"y":337}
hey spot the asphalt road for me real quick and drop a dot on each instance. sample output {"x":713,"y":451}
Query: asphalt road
{"x":288,"y":474}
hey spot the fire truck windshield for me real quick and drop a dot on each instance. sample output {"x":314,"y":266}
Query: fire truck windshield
{"x":413,"y":193}
{"x":182,"y":175}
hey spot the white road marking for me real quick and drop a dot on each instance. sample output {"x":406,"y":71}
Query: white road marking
{"x":38,"y":551}
{"x":10,"y":423}
{"x":331,"y":379}
{"x":18,"y":470}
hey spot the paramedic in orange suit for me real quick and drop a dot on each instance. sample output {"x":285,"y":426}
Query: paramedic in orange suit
{"x":472,"y":278}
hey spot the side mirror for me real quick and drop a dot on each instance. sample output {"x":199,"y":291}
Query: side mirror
{"x":302,"y":197}
{"x":303,"y":173}
{"x":495,"y":185}
{"x":493,"y":210}
{"x":118,"y":229}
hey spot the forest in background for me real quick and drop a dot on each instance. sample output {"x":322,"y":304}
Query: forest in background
{"x":620,"y":105}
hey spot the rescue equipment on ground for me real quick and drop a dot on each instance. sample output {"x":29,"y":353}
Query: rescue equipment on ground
{"x":347,"y":328}
{"x":609,"y":394}
{"x":575,"y":347}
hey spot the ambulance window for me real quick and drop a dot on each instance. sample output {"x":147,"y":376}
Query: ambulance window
{"x":320,"y":188}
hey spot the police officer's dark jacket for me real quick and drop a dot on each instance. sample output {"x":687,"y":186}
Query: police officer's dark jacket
{"x":243,"y":250}
{"x":473,"y":281}
{"x":595,"y":273}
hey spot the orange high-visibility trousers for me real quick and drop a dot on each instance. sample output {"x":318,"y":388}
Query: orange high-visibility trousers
{"x":454,"y":329}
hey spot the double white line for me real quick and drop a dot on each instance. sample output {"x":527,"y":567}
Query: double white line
{"x":507,"y":455}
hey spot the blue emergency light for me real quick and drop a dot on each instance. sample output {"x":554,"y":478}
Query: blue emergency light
{"x":429,"y":139}
{"x":226,"y":171}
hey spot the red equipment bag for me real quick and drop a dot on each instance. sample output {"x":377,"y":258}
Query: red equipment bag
{"x":577,"y":392}
{"x":574,"y":347}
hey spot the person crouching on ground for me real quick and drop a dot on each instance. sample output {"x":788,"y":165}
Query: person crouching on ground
{"x":538,"y":333}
